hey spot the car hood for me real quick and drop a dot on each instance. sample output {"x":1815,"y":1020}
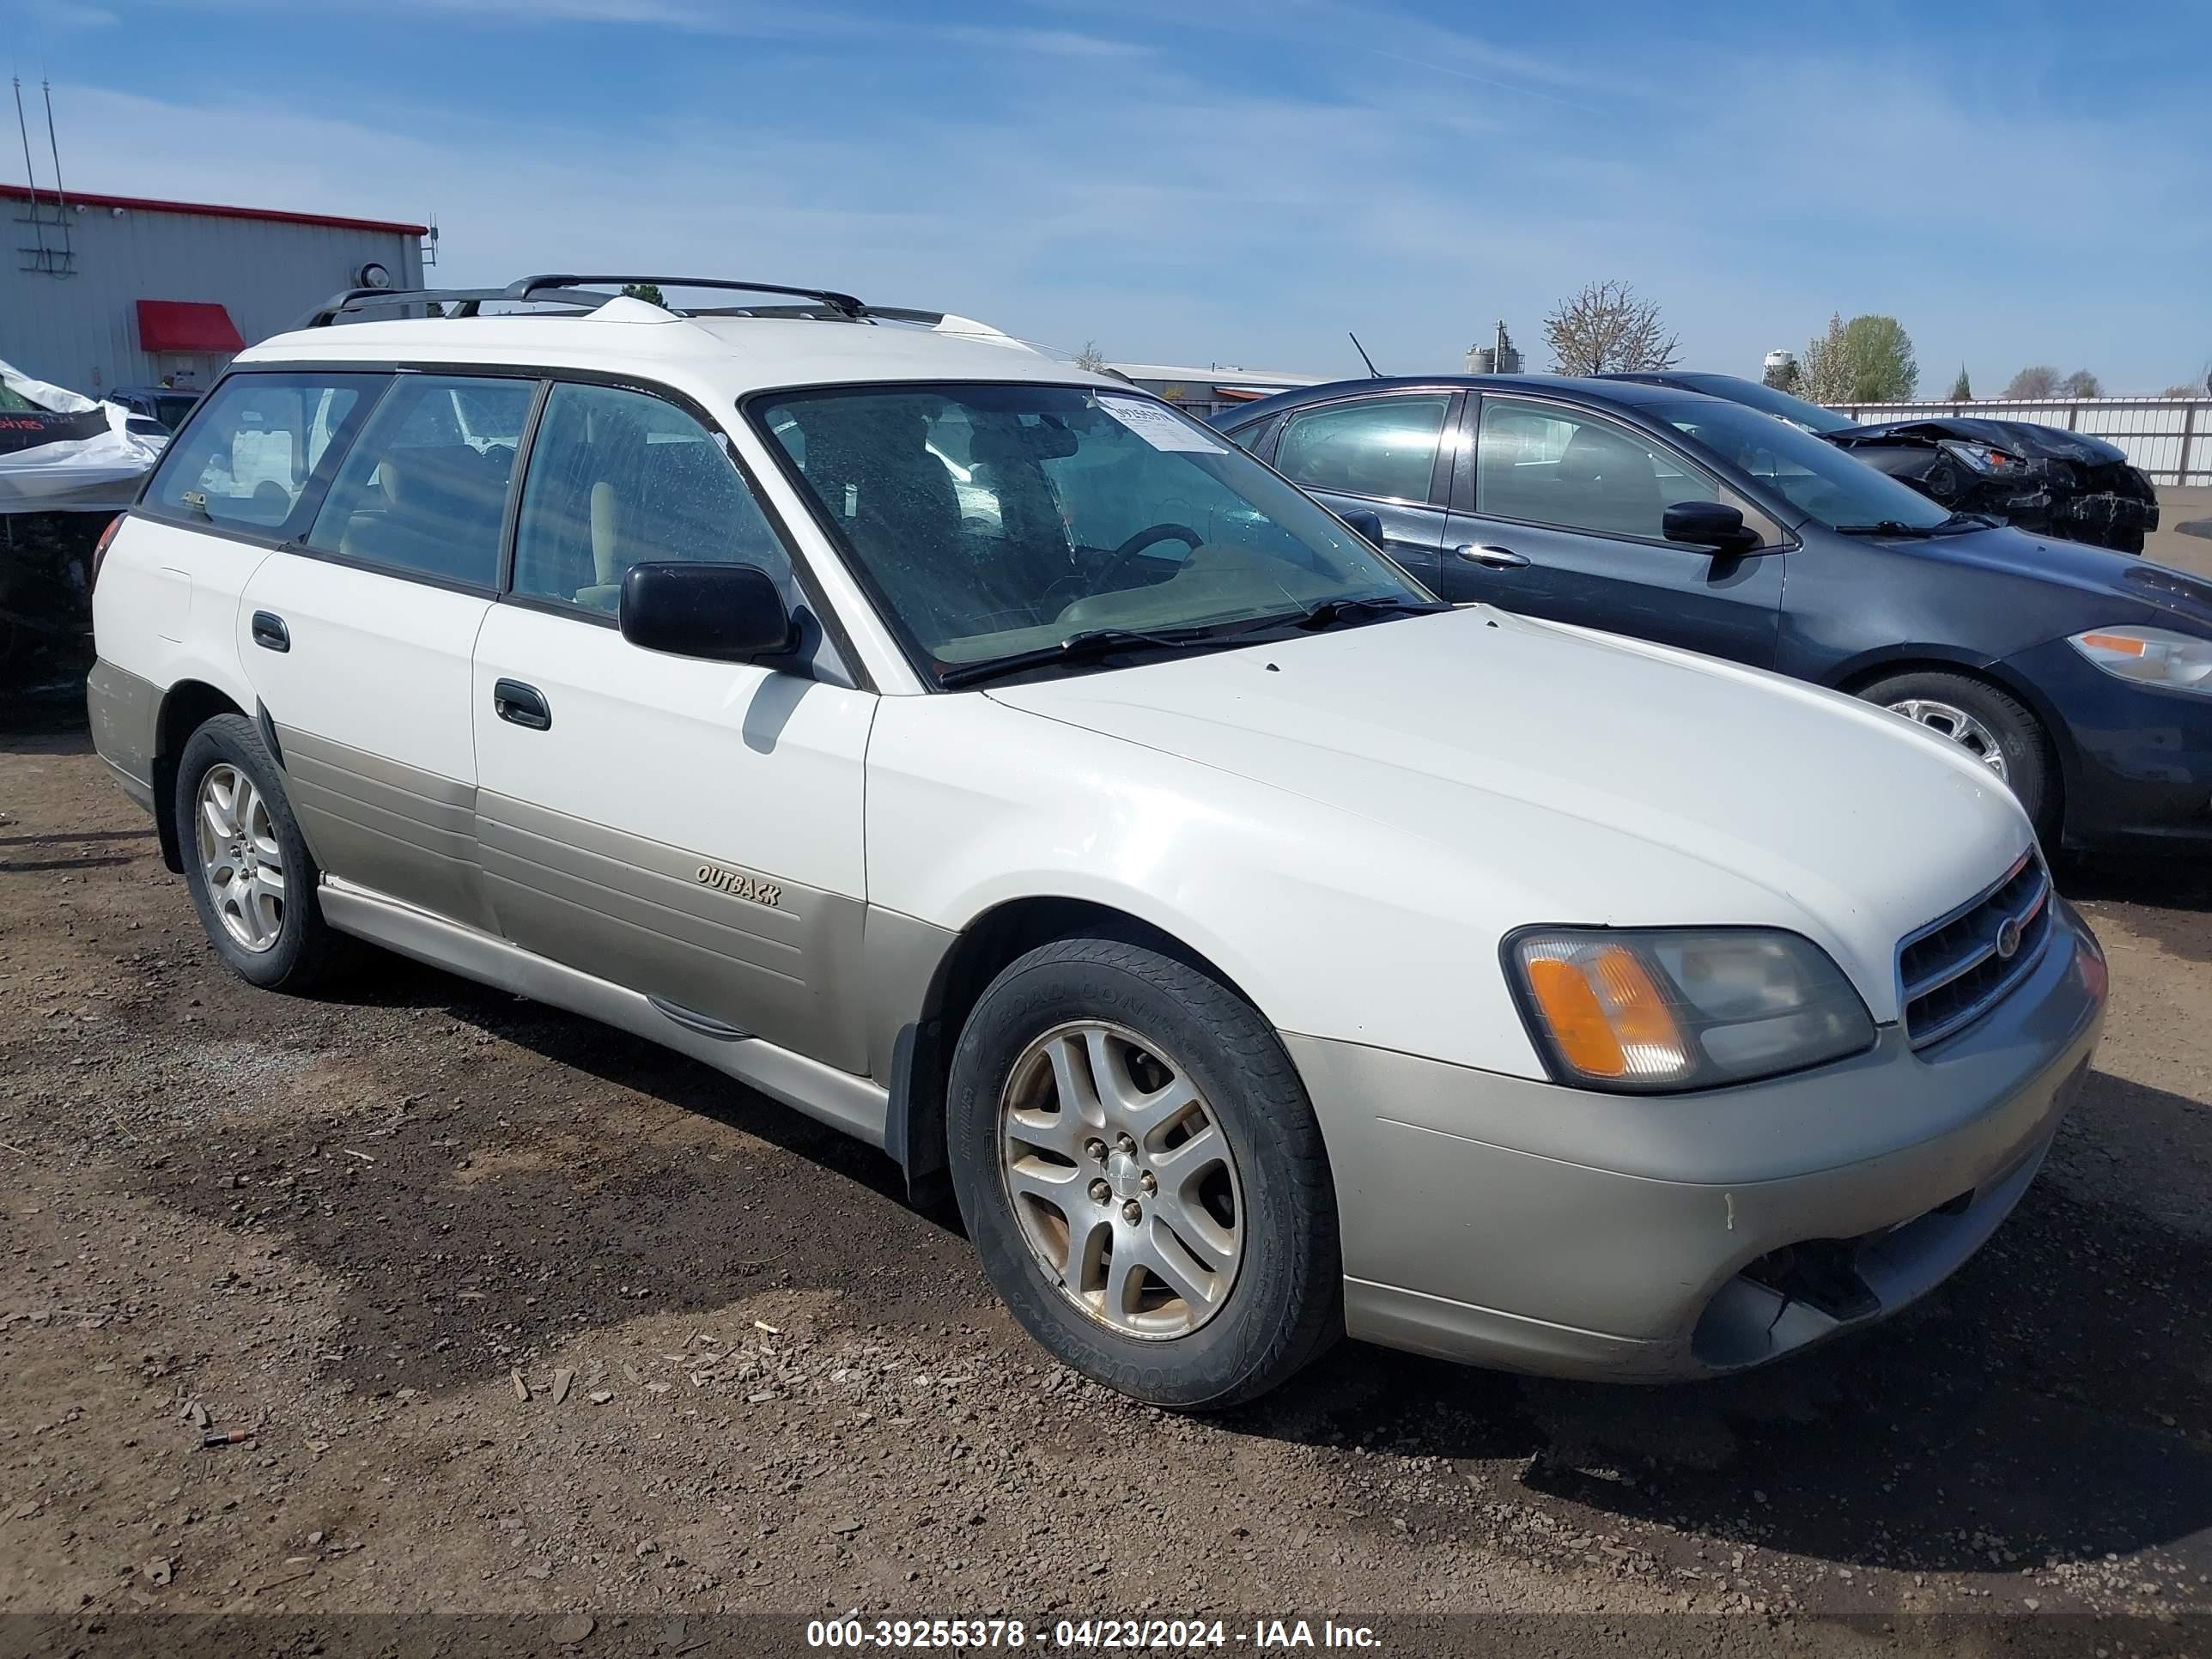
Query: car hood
{"x":2022,"y":438}
{"x":2178,"y":598}
{"x":1608,"y":779}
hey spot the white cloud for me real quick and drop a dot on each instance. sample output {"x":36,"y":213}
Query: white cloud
{"x":69,"y":14}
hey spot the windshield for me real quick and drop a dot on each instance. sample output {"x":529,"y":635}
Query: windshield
{"x":993,"y":520}
{"x":1754,"y":394}
{"x":1819,"y":478}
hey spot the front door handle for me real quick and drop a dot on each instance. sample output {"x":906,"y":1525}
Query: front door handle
{"x":522,"y":705}
{"x":269,"y":632}
{"x":1494,"y":558}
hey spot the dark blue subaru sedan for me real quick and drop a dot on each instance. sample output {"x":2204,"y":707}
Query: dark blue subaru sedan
{"x":2082,"y":677}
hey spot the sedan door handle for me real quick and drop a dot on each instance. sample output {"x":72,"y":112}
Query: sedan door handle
{"x":522,"y":705}
{"x":1494,"y":559}
{"x":269,"y":632}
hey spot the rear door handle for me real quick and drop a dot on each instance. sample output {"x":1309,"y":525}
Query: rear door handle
{"x":1494,"y":559}
{"x":269,"y":632}
{"x":522,"y":705}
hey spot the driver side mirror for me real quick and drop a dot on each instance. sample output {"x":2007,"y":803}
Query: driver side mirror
{"x":1369,"y":524}
{"x":720,"y":612}
{"x":1711,"y":525}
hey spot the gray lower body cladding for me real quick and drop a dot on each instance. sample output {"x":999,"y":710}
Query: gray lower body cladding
{"x":743,"y":948}
{"x":125,"y":715}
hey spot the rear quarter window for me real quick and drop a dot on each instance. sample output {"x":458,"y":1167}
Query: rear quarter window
{"x":245,"y":460}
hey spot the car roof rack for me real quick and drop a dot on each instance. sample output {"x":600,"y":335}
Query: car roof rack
{"x":826,"y":305}
{"x":577,"y":290}
{"x":464,"y":302}
{"x":529,"y":287}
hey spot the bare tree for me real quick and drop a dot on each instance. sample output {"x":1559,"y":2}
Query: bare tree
{"x":1607,"y":327}
{"x":2183,"y":392}
{"x":1091,"y":360}
{"x":2082,"y":383}
{"x":2036,"y":381}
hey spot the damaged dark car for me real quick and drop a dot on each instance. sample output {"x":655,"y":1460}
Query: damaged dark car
{"x":2042,"y":479}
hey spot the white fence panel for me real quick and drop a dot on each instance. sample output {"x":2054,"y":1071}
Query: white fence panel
{"x":2169,"y":438}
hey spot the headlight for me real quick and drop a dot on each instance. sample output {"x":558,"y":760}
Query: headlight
{"x":1983,"y":459}
{"x":1653,"y":1010}
{"x":2150,"y":656}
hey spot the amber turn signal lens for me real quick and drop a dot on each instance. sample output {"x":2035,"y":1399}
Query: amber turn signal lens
{"x":2119,"y":644}
{"x":1577,"y":1024}
{"x":1607,"y":1014}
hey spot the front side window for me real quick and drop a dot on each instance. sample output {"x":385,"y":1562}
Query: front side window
{"x":1542,"y":464}
{"x":1384,"y":447}
{"x":620,"y":478}
{"x":244,"y":461}
{"x":995,"y":520}
{"x":1815,"y":476}
{"x":421,"y":493}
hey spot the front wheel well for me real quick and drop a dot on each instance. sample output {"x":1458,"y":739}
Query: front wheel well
{"x":922,"y":1068}
{"x":187,"y":706}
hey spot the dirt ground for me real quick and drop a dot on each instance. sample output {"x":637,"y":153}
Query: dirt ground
{"x":360,"y":1230}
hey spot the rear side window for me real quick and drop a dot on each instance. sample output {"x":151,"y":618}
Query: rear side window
{"x":1381,"y":446}
{"x":246,"y":459}
{"x":423,"y":489}
{"x":618,"y":478}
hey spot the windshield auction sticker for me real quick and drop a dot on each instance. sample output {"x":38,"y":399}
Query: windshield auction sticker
{"x":1158,"y":427}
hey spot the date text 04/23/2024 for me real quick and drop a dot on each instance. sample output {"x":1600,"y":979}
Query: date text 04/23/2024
{"x":1107,"y":1635}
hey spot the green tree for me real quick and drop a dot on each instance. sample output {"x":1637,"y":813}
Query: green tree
{"x":1883,"y":368}
{"x":1962,"y":389}
{"x":1784,"y":376}
{"x":648,"y":292}
{"x":2082,"y":383}
{"x":2036,"y":381}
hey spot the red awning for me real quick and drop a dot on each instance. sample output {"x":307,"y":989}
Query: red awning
{"x":186,"y":326}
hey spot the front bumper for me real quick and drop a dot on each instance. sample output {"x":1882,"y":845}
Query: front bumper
{"x":1539,"y":1228}
{"x":2139,"y":772}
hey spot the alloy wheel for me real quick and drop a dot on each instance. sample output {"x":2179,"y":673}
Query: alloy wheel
{"x":1949,"y":721}
{"x":1122,"y":1179}
{"x":240,"y":857}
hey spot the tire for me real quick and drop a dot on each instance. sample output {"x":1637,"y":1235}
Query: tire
{"x":1278,"y":1306}
{"x":301,"y":949}
{"x":1933,"y":698}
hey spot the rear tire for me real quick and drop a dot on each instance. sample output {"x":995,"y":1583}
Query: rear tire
{"x":1242,"y":1227}
{"x":1994,"y":728}
{"x":252,"y":878}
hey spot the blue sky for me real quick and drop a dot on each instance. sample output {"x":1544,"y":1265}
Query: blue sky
{"x":1214,"y":180}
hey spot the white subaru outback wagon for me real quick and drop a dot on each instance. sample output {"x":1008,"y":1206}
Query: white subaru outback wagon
{"x":980,"y":756}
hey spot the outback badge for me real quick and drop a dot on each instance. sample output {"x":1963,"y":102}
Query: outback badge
{"x":738,"y":886}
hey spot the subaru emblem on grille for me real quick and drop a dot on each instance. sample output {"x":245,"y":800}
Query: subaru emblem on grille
{"x":2008,"y":939}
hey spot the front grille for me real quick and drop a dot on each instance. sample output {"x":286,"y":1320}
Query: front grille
{"x":1955,"y":970}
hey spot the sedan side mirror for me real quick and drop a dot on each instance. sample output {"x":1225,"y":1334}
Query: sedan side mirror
{"x":722,"y":612}
{"x":1369,"y":524}
{"x":1709,"y":523}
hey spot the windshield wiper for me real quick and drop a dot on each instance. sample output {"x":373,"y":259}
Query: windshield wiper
{"x":1885,"y":527}
{"x":1086,"y":647}
{"x":1960,"y":523}
{"x":1330,"y":612}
